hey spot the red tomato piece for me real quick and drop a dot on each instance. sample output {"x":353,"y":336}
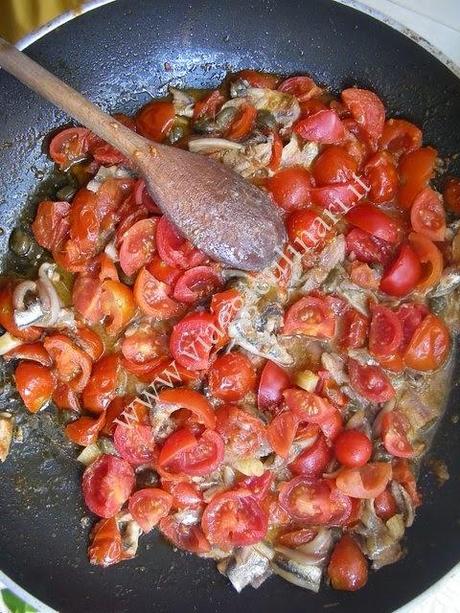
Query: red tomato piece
{"x":302,"y":87}
{"x":430,"y":258}
{"x":307,"y":406}
{"x":155,"y":120}
{"x":231,"y":377}
{"x":371,"y":219}
{"x":138,"y":245}
{"x":367,"y":248}
{"x":118,"y":306}
{"x":430,"y":345}
{"x":203,"y":458}
{"x":89,"y":341}
{"x":370,"y":381}
{"x":311,"y":316}
{"x":107,"y":485}
{"x":290,"y":187}
{"x":281,"y":432}
{"x":382,"y":177}
{"x":313,"y":461}
{"x":347,"y":568}
{"x":244,"y":122}
{"x":192,"y":340}
{"x":183,"y":536}
{"x":143,"y":199}
{"x":332,"y":426}
{"x":85,"y":430}
{"x":162,"y":271}
{"x":353,"y":448}
{"x":451,"y":194}
{"x":367,"y":481}
{"x":277,"y":151}
{"x":105,"y":548}
{"x":400,"y":136}
{"x":306,"y":228}
{"x":34,"y":352}
{"x":312,"y":501}
{"x":334,"y":165}
{"x":242,"y":433}
{"x":174,"y":249}
{"x":144,"y":344}
{"x":273,"y":381}
{"x":256,"y":78}
{"x":385,"y":334}
{"x":427,"y":215}
{"x":69,"y":146}
{"x":103,"y":384}
{"x":148,"y":506}
{"x":355,"y":328}
{"x":323,"y":127}
{"x":193,"y":401}
{"x":196,"y":284}
{"x":403,"y":274}
{"x":258,"y":486}
{"x":185,"y":495}
{"x":338,"y":198}
{"x":135,"y":443}
{"x":415,"y":171}
{"x":35,"y":385}
{"x":104,"y":153}
{"x":209,"y":105}
{"x":177,"y":442}
{"x":51,"y":224}
{"x":296,"y":538}
{"x":385,"y":505}
{"x":234,"y":519}
{"x":395,"y":428}
{"x":86,"y":298}
{"x":73,"y":365}
{"x":225,"y":306}
{"x":367,"y":110}
{"x":411,"y":315}
{"x":153,"y":297}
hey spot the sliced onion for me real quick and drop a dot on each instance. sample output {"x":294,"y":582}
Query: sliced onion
{"x":320,"y":545}
{"x":89,"y":454}
{"x":308,"y":577}
{"x":251,"y":467}
{"x":48,"y":294}
{"x":9,"y":342}
{"x":20,"y":292}
{"x":208,"y":145}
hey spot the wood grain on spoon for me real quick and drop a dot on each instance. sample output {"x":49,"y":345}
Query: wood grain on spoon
{"x":221,"y":213}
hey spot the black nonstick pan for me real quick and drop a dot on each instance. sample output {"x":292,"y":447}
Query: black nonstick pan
{"x":116,"y":55}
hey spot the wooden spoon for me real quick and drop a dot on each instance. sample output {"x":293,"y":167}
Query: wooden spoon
{"x":221,"y":213}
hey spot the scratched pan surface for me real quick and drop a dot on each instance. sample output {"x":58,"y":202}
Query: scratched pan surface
{"x":115,"y":55}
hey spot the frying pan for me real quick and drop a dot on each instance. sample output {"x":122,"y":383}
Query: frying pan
{"x":117,"y":55}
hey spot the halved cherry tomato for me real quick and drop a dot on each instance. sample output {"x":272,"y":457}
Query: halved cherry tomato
{"x":353,"y":448}
{"x":451,"y":194}
{"x":338,"y":198}
{"x":153,"y":297}
{"x":234,"y":519}
{"x":73,"y":365}
{"x":225,"y":306}
{"x":107,"y":485}
{"x":242,"y":433}
{"x":430,"y":345}
{"x":367,"y":110}
{"x":281,"y":432}
{"x":370,"y":381}
{"x":148,"y":506}
{"x":415,"y":171}
{"x":385,"y":333}
{"x":209,"y":105}
{"x":138,"y":245}
{"x":103,"y":384}
{"x":371,"y":219}
{"x":89,"y":341}
{"x":34,"y":352}
{"x":273,"y":381}
{"x":306,"y":228}
{"x":118,"y":305}
{"x":367,"y":248}
{"x":35,"y":385}
{"x":256,"y":78}
{"x":174,"y":249}
{"x":395,"y":427}
{"x":107,"y":154}
{"x":85,"y":430}
{"x":188,"y":537}
{"x":430,"y":258}
{"x":143,"y":344}
{"x":177,"y":442}
{"x":277,"y":151}
{"x":303,"y":88}
{"x":400,"y":136}
{"x":105,"y":548}
{"x":427,"y":215}
{"x":313,"y":501}
{"x":290,"y":187}
{"x":334,"y":165}
{"x":403,"y":274}
{"x":31,"y":333}
{"x":155,"y":119}
{"x":312,"y":461}
{"x":307,"y":406}
{"x":196,"y":284}
{"x":355,"y":327}
{"x":193,"y":401}
{"x":231,"y":377}
{"x":86,"y":298}
{"x":185,"y":495}
{"x":203,"y":458}
{"x":243,"y":124}
{"x":135,"y":443}
{"x":66,"y":399}
{"x":51,"y":223}
{"x":296,"y":538}
{"x":323,"y":127}
{"x":332,"y":426}
{"x":347,"y":568}
{"x":403,"y":474}
{"x":69,"y":146}
{"x":143,"y":199}
{"x":385,"y":505}
{"x":162,"y":271}
{"x":382,"y":176}
{"x":367,"y":481}
{"x":192,"y":340}
{"x":411,"y":315}
{"x":311,"y":316}
{"x":114,"y":414}
{"x":258,"y":486}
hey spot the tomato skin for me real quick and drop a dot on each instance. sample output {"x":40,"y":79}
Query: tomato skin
{"x":334,"y":165}
{"x":355,"y":328}
{"x":258,"y":486}
{"x":394,"y":435}
{"x":367,"y":110}
{"x":332,"y":426}
{"x":353,"y":448}
{"x":403,"y":474}
{"x":242,"y":433}
{"x":86,"y":298}
{"x":34,"y":352}
{"x":186,"y":537}
{"x":385,"y":334}
{"x":193,"y":401}
{"x":163,"y":272}
{"x":231,"y":377}
{"x":347,"y":568}
{"x":367,"y":481}
{"x":68,"y":146}
{"x":281,"y":432}
{"x":296,"y":538}
{"x":311,"y":316}
{"x":382,"y":176}
{"x":243,"y":124}
{"x":85,"y":430}
{"x":51,"y":223}
{"x":138,"y":245}
{"x":155,"y":119}
{"x":429,"y":346}
{"x":209,"y":105}
{"x":153,"y":298}
{"x":273,"y":381}
{"x":367,"y":248}
{"x":35,"y":385}
{"x":197,"y":284}
{"x":427,"y":215}
{"x":370,"y":381}
{"x":403,"y":274}
{"x":430,"y":258}
{"x":400,"y":136}
{"x":277,"y":151}
{"x":234,"y":519}
{"x":411,"y":315}
{"x":302,"y":87}
{"x":185,"y":495}
{"x":73,"y":365}
{"x":184,"y":346}
{"x":337,"y":197}
{"x":303,"y":228}
{"x":105,"y":548}
{"x":415,"y":171}
{"x":118,"y":304}
{"x":322,"y":127}
{"x":313,"y":461}
{"x":451,"y":194}
{"x":290,"y":187}
{"x":371,"y":219}
{"x":225,"y":306}
{"x":177,"y":442}
{"x":385,"y":505}
{"x":102,"y":386}
{"x":174,"y":249}
{"x":148,"y":506}
{"x":307,"y":406}
{"x":144,"y":345}
{"x":203,"y":458}
{"x":107,"y":484}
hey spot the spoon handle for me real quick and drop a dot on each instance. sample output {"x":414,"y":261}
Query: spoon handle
{"x":73,"y":103}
